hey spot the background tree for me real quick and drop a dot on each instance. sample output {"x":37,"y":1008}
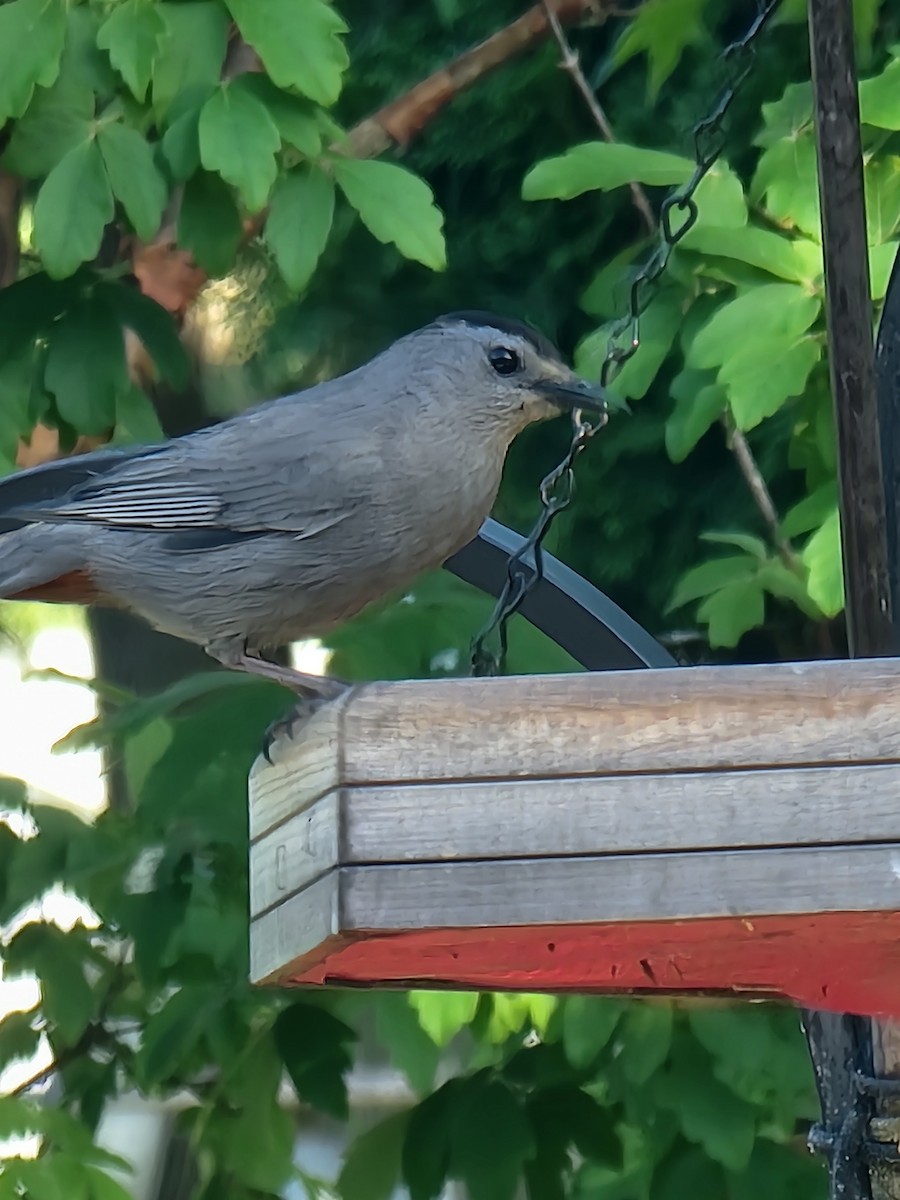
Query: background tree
{"x":189,"y":222}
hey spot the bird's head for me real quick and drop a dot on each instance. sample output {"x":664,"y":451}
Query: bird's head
{"x":503,"y":370}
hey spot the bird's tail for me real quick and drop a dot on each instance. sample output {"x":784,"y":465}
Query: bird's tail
{"x":40,"y":561}
{"x":44,"y":562}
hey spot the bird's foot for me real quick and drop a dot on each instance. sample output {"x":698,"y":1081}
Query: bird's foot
{"x":306,"y":706}
{"x":283,"y":727}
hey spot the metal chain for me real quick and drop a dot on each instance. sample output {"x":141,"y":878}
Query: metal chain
{"x":678,"y":214}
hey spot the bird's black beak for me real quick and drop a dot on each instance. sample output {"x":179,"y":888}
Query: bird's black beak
{"x":574,"y":393}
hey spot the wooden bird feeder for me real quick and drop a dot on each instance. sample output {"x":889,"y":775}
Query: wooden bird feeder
{"x":729,"y":830}
{"x":719,"y":830}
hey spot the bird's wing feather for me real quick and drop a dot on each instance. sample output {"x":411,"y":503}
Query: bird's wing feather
{"x":206,"y":481}
{"x":123,"y":503}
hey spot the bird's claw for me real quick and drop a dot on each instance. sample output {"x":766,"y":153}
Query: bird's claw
{"x":301,"y":712}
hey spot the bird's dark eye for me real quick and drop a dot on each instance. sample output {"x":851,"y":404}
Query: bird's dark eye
{"x":503,"y":360}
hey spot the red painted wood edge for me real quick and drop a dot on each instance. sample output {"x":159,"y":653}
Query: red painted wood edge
{"x":845,"y":962}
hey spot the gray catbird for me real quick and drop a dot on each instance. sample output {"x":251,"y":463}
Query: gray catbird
{"x":292,"y":517}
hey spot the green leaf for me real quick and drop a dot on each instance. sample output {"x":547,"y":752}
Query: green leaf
{"x":786,"y":175}
{"x":132,"y":34}
{"x":865,"y":22}
{"x":239,"y":139}
{"x":57,"y":120}
{"x":136,"y":421}
{"x":747,"y":542}
{"x":797,"y":260}
{"x":443,"y":1014}
{"x":662,"y":29}
{"x":19,"y":1039}
{"x":86,"y":366}
{"x":777,"y":1172}
{"x":698,"y":405}
{"x":396,"y":207}
{"x":409,"y":1046}
{"x":313,"y":1044}
{"x":299,"y":221}
{"x":787,"y":117}
{"x":294,"y":117}
{"x":425,"y":1159}
{"x":74,"y":206}
{"x":762,"y":314}
{"x":511,"y":1012}
{"x":709,"y":1113}
{"x":882,"y":180}
{"x":103,"y":1187}
{"x":153,"y":325}
{"x":732,"y":611}
{"x":607,"y":293}
{"x":372,"y":1165}
{"x":171,"y":1034}
{"x":299,"y":42}
{"x":252,"y":1136}
{"x":822,"y":558}
{"x":689,"y":1172}
{"x":879,"y":98}
{"x":810,"y":512}
{"x":766,"y":373}
{"x":191,"y":53}
{"x":646,"y":1037}
{"x":881,"y":263}
{"x":209,"y":224}
{"x":759,"y":1055}
{"x":134,"y":177}
{"x":181,"y":144}
{"x":602,"y":166}
{"x":16,"y":381}
{"x":588,"y":1023}
{"x":492,"y":1138}
{"x":32,"y":34}
{"x":659,"y":327}
{"x":58,"y":959}
{"x":710,"y":576}
{"x":720,"y":199}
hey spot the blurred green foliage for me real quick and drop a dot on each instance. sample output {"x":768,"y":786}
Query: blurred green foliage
{"x":508,"y":201}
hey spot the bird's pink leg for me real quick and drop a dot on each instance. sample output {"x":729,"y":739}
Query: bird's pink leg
{"x":234,"y":654}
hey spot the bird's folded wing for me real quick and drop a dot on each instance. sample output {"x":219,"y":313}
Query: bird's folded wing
{"x":173,"y":495}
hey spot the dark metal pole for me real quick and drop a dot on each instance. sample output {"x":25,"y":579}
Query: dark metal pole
{"x":843,"y":1046}
{"x":848,"y":301}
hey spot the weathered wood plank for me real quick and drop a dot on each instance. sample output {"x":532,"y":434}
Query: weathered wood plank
{"x":305,"y":923}
{"x":294,"y":854}
{"x":304,"y":767}
{"x":846,"y":962}
{"x":525,"y":818}
{"x":616,"y":722}
{"x":628,"y":887}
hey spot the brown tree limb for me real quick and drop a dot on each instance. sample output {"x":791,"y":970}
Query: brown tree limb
{"x":759,"y":490}
{"x":10,"y":200}
{"x":169,"y":276}
{"x":397,"y":123}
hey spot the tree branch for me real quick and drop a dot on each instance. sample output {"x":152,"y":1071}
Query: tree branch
{"x":10,"y":198}
{"x":737,"y":442}
{"x":170,"y":276}
{"x":569,"y":62}
{"x":759,"y":491}
{"x":404,"y":118}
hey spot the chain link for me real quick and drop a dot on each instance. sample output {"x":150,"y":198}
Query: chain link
{"x":678,"y":214}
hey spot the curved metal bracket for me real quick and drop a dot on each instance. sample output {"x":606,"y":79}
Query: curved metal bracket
{"x":568,"y":609}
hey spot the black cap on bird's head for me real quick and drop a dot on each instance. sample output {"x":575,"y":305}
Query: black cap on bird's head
{"x":548,"y":376}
